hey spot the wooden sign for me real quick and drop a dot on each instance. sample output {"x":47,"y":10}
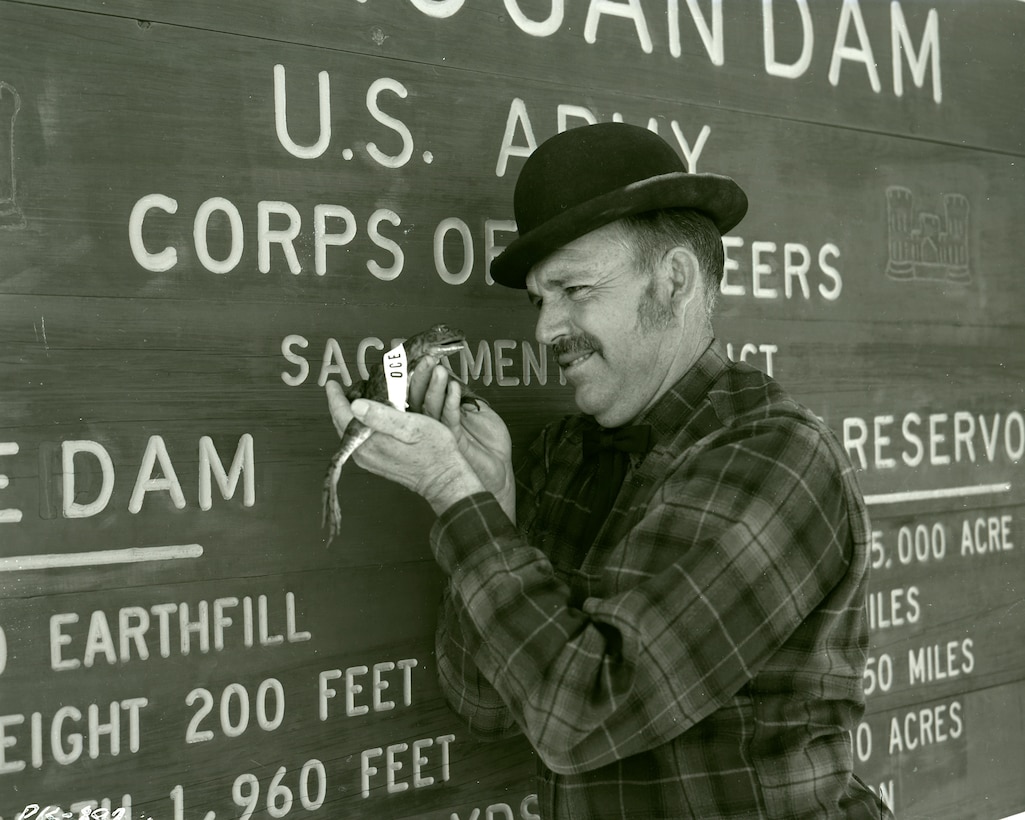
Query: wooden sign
{"x":208,"y":210}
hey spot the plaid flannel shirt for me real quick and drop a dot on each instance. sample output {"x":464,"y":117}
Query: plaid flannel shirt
{"x":706,"y":659}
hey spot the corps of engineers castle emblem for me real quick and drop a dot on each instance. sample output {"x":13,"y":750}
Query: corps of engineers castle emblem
{"x":929,"y":246}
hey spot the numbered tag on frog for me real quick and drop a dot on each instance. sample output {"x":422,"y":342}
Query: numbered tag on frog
{"x":396,"y":374}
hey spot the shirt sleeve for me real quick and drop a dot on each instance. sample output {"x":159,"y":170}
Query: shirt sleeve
{"x":468,"y":692}
{"x":756,"y":533}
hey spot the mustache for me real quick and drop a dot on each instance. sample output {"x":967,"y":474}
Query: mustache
{"x":583,"y":343}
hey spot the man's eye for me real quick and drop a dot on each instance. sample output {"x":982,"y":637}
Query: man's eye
{"x":576,"y":290}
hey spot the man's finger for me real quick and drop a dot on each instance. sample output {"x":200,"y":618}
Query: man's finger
{"x":452,"y":411}
{"x":419,"y":381}
{"x":435,"y":397}
{"x":383,"y":418}
{"x":338,"y":405}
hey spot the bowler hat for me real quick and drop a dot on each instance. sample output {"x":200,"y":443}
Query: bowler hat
{"x":592,"y":175}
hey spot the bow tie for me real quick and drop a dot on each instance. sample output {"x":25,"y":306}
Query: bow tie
{"x":600,"y":476}
{"x":637,"y":438}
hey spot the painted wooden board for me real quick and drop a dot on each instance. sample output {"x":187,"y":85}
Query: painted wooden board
{"x":172,"y":626}
{"x":850,"y":220}
{"x":944,"y":70}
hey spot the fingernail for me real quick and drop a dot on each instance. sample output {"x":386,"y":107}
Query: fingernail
{"x":359,"y":408}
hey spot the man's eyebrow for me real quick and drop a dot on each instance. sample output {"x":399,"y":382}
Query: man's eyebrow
{"x":563,"y":269}
{"x":564,"y":275}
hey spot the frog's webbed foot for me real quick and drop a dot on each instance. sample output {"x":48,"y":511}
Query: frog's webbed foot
{"x":355,"y":434}
{"x":440,"y":351}
{"x":331,"y":515}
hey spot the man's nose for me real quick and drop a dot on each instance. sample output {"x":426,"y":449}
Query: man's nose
{"x":552,"y":322}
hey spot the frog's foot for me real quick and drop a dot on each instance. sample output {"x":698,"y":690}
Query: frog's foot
{"x":332,"y":510}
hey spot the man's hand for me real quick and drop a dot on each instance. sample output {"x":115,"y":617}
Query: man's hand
{"x":444,"y":451}
{"x":479,"y":432}
{"x":410,"y":449}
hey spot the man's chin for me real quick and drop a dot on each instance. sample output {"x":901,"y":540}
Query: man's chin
{"x":599,"y":410}
{"x":584,"y":405}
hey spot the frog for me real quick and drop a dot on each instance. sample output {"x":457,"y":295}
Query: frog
{"x":438,"y":341}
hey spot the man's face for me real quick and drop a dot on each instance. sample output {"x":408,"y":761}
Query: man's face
{"x":611,"y":325}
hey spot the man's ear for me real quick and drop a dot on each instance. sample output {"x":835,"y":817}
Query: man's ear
{"x":684,"y":274}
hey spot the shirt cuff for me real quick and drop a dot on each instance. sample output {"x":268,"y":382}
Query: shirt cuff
{"x":476,"y":522}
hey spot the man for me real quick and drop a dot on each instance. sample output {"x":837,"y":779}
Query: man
{"x":676,"y":621}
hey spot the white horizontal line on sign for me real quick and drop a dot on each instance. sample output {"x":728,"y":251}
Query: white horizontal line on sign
{"x":132,"y":555}
{"x":943,"y":492}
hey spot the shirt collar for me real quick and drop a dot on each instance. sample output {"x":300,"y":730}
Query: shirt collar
{"x":672,"y":411}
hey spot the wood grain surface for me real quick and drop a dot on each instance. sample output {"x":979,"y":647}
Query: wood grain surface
{"x":181,"y":270}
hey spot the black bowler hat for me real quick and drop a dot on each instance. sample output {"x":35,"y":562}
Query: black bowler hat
{"x":592,"y":175}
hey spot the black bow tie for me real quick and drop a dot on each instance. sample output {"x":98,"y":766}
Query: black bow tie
{"x":606,"y":461}
{"x":637,"y":438}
